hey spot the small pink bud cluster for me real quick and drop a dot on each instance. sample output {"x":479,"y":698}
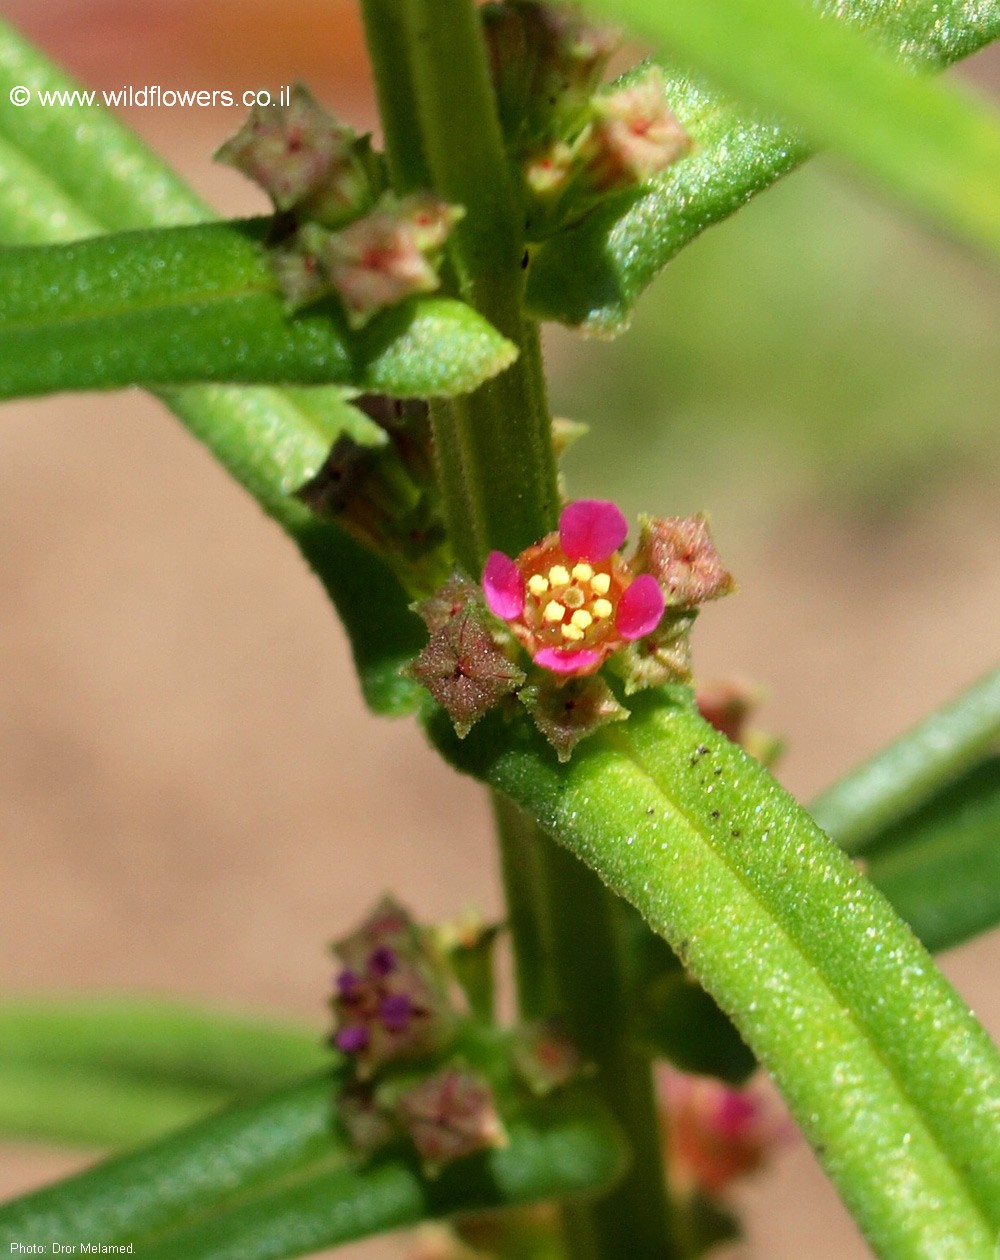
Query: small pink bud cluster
{"x":390,"y":997}
{"x":395,"y":1014}
{"x":345,"y":234}
{"x":572,"y":603}
{"x":309,"y":164}
{"x":574,"y":143}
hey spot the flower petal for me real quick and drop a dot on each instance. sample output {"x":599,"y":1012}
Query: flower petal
{"x":591,"y":529}
{"x":503,"y":587}
{"x":568,"y":660}
{"x":640,"y":608}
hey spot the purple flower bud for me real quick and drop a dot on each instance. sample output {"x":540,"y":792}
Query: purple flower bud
{"x":352,"y":1039}
{"x":395,"y":1011}
{"x":347,"y":982}
{"x":382,"y":961}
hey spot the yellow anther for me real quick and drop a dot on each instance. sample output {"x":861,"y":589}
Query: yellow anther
{"x":571,"y":632}
{"x":538,"y":585}
{"x":581,"y":618}
{"x":601,"y":583}
{"x":602,"y":607}
{"x":559,"y":575}
{"x":553,"y":611}
{"x":582,"y":572}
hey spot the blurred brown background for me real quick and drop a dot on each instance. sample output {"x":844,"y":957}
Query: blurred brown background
{"x":192,"y":799}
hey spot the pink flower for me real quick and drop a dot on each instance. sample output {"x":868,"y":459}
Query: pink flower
{"x":571,"y":599}
{"x":717,"y":1133}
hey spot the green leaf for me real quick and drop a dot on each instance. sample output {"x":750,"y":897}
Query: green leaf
{"x":796,"y":946}
{"x":114,"y":1071}
{"x":75,"y":1105}
{"x":157,"y":1041}
{"x":275,"y":1178}
{"x":192,"y":304}
{"x":72,"y":173}
{"x":594,"y":274}
{"x":905,"y":774}
{"x":940,"y":867}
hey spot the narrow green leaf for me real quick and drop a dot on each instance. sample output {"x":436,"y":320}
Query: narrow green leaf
{"x":559,"y":1151}
{"x":948,"y":742}
{"x":157,"y":1042}
{"x":77,"y":1105}
{"x":940,"y":867}
{"x":594,"y":274}
{"x":275,"y":1178}
{"x":102,"y":178}
{"x":900,"y":1089}
{"x":193,"y":304}
{"x":187,"y":1172}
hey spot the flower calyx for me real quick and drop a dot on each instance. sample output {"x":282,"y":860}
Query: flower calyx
{"x":383,"y":492}
{"x":449,"y":1115}
{"x":573,"y":142}
{"x":309,"y":164}
{"x":340,"y":230}
{"x":378,"y":260}
{"x":390,"y":998}
{"x":463,"y":666}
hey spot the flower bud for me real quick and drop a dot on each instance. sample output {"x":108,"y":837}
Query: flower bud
{"x":450,"y":1115}
{"x":390,"y":998}
{"x":566,"y":711}
{"x":679,"y":552}
{"x":633,"y":136}
{"x":716,"y":1133}
{"x":545,"y":1057}
{"x":464,"y":670}
{"x":306,"y":161}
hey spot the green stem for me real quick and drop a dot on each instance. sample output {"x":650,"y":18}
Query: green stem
{"x":569,"y":963}
{"x":498,"y":480}
{"x":586,"y":967}
{"x":503,"y":431}
{"x":389,"y":51}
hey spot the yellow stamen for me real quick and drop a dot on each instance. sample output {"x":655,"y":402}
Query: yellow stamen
{"x":554,"y":611}
{"x":559,"y":575}
{"x":602,"y":607}
{"x":583,"y":572}
{"x":538,"y":585}
{"x":581,"y":618}
{"x":571,"y":632}
{"x":601,"y":583}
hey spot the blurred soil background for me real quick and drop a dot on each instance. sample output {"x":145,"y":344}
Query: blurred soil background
{"x":192,"y":799}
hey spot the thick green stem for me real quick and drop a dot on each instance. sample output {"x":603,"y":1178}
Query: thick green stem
{"x":503,"y":431}
{"x":498,"y":480}
{"x":570,"y":963}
